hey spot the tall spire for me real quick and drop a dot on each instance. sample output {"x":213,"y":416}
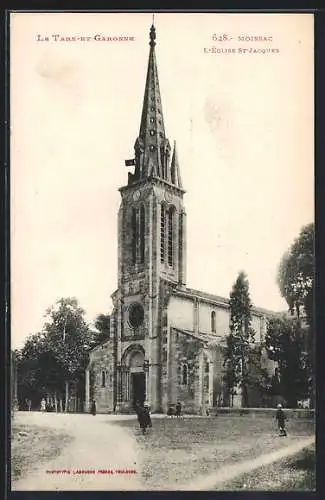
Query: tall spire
{"x":152,"y":148}
{"x":174,"y":169}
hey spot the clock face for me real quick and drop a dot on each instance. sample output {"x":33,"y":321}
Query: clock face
{"x":136,"y":195}
{"x":168,"y":196}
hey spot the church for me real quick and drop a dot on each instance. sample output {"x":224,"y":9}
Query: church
{"x":166,"y":339}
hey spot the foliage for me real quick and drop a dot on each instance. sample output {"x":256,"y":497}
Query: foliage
{"x":67,"y":336}
{"x":35,"y":369}
{"x":238,"y":351}
{"x":297,"y":285}
{"x":284,"y":343}
{"x":296,"y":274}
{"x":258,"y":377}
{"x":57,"y":356}
{"x":102,"y":325}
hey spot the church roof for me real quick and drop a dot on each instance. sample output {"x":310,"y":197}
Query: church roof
{"x":206,"y":338}
{"x":218,"y":300}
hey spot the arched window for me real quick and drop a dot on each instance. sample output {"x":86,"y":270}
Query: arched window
{"x":103,"y":379}
{"x":213,"y":322}
{"x":142,"y":233}
{"x":170,"y":237}
{"x":134,"y":235}
{"x":162,"y":233}
{"x":180,"y":241}
{"x":184,"y":374}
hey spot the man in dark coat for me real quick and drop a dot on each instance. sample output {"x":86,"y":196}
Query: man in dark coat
{"x":93,"y":407}
{"x":178,"y":409}
{"x":281,"y":420}
{"x":144,"y":418}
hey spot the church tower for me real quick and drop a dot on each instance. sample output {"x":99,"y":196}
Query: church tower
{"x":151,"y":250}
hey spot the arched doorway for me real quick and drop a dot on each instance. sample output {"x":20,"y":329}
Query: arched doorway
{"x":137,"y":379}
{"x":133,"y":376}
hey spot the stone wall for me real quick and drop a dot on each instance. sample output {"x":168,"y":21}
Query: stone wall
{"x":102,"y":362}
{"x":184,"y":351}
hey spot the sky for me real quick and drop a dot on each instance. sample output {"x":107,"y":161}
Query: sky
{"x":243,"y":123}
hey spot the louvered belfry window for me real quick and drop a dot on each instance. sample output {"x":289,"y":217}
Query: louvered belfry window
{"x":162,"y":233}
{"x":142,"y":234}
{"x":134,"y":235}
{"x":138,"y":234}
{"x":170,"y":237}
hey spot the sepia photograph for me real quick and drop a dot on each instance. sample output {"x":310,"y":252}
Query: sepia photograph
{"x":162,"y":251}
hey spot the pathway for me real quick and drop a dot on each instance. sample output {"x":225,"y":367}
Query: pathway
{"x":99,"y":446}
{"x":229,"y":472}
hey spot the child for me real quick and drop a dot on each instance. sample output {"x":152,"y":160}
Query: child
{"x":281,"y":418}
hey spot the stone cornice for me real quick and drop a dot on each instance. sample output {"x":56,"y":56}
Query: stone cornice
{"x":153,"y":181}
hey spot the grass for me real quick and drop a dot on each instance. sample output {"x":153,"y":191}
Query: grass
{"x":297,"y":472}
{"x":177,"y":451}
{"x":38,"y":446}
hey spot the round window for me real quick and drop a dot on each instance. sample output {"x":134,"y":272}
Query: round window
{"x":136,"y":315}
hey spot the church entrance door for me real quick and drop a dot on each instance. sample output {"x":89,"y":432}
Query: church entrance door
{"x":138,"y":384}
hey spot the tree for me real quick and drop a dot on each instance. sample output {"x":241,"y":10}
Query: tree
{"x":238,"y":348}
{"x":53,"y":359}
{"x":297,"y":285}
{"x":13,"y":380}
{"x":102,"y":325}
{"x":68,"y":339}
{"x":31,"y":373}
{"x":284,"y":344}
{"x":296,"y":274}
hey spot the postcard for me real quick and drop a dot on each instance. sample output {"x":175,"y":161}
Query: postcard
{"x":162,"y":228}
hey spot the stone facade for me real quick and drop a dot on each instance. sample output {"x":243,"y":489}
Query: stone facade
{"x":165,"y":338}
{"x":101,"y":378}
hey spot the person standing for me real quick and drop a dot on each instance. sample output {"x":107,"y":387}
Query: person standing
{"x":93,"y":408}
{"x":281,"y":420}
{"x":144,"y":418}
{"x":178,"y":409}
{"x":147,"y":414}
{"x":43,"y":405}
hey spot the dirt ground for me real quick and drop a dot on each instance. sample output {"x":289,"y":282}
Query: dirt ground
{"x":100,"y":456}
{"x":108,"y":452}
{"x":197,"y":452}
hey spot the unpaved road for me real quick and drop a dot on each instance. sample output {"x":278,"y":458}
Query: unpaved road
{"x":99,"y":445}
